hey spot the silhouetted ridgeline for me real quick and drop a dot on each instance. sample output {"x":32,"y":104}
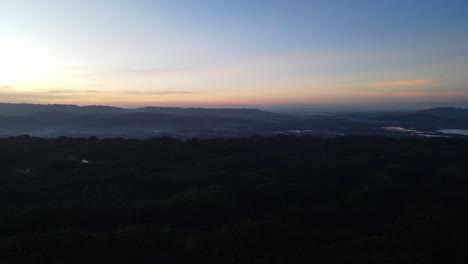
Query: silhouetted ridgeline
{"x":51,"y":121}
{"x":251,"y":200}
{"x":7,"y":109}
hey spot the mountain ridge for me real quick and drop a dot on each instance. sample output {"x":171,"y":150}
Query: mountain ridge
{"x":23,"y":109}
{"x":54,"y":120}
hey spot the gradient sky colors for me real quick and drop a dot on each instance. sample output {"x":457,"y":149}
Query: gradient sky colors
{"x":244,"y":52}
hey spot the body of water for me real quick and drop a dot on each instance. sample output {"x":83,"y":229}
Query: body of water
{"x":454,"y":131}
{"x":399,"y":129}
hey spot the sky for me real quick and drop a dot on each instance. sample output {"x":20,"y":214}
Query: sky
{"x":233,"y":53}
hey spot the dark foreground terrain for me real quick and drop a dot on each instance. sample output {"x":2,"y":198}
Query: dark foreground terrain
{"x":252,"y":200}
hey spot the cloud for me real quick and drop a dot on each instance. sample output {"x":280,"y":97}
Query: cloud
{"x":6,"y":88}
{"x":409,"y":94}
{"x":432,"y":94}
{"x":372,"y":94}
{"x":162,"y":92}
{"x":57,"y":91}
{"x":71,"y":92}
{"x":402,"y":83}
{"x":22,"y":97}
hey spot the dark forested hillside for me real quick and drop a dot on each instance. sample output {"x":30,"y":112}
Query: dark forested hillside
{"x":253,"y":200}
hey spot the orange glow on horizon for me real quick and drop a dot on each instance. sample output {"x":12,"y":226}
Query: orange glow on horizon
{"x":401,"y":83}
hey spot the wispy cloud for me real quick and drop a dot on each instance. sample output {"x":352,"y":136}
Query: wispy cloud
{"x":410,"y":94}
{"x":78,"y":92}
{"x":372,"y":94}
{"x":6,"y":88}
{"x":162,"y":92}
{"x":401,"y":83}
{"x":432,"y":94}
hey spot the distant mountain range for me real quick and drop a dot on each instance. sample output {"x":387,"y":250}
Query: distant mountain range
{"x":434,"y":118}
{"x":32,"y":109}
{"x":447,"y":112}
{"x":107,"y":121}
{"x":57,"y":119}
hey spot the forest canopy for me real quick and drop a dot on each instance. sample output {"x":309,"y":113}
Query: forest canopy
{"x":281,"y":199}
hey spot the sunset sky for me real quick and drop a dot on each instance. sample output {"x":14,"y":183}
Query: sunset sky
{"x":243,"y":52}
